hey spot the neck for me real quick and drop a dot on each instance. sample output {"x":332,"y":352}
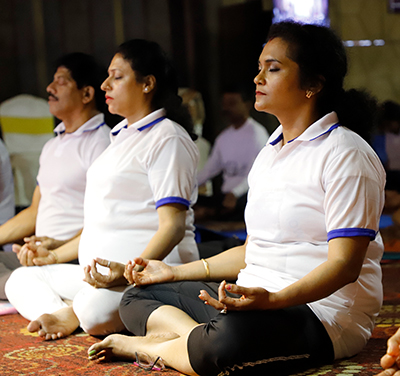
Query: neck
{"x":294,"y":126}
{"x":238,"y":123}
{"x":76,"y":120}
{"x":143,"y":112}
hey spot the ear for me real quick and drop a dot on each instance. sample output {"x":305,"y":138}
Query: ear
{"x":318,"y":85}
{"x":87,"y":94}
{"x":149,"y":84}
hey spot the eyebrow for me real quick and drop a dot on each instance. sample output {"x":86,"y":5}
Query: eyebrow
{"x":272,"y":61}
{"x":114,"y":69}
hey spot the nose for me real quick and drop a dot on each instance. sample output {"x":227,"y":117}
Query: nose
{"x":50,"y":88}
{"x":105,"y":85}
{"x":259,"y":79}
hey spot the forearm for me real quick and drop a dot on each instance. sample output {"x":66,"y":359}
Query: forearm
{"x":318,"y":284}
{"x":224,"y":266}
{"x":68,"y":251}
{"x":18,"y":227}
{"x":163,"y":241}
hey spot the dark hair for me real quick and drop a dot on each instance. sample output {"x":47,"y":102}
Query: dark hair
{"x":147,"y":58}
{"x":86,"y":72}
{"x":390,"y":111}
{"x":246,"y":92}
{"x":321,"y":57}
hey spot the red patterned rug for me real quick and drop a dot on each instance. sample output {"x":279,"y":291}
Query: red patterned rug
{"x":23,"y":353}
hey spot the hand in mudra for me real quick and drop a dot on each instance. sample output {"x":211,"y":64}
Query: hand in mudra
{"x":146,"y":272}
{"x":115,"y":276}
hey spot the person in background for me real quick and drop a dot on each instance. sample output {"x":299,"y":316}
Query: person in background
{"x":232,"y":155}
{"x":387,"y":146}
{"x":56,"y":212}
{"x":7,"y":204}
{"x":308,"y":279}
{"x":391,"y":360}
{"x":192,"y":99}
{"x":138,"y":200}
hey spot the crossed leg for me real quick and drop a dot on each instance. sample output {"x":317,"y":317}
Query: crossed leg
{"x":170,"y":344}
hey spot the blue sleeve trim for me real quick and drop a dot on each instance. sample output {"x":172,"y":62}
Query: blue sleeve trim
{"x":346,"y":232}
{"x":172,"y":200}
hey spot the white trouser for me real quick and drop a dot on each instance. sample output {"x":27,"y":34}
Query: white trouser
{"x":36,"y":290}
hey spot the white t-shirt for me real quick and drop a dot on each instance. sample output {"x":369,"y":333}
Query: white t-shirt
{"x":148,"y":164}
{"x":7,"y":205}
{"x":233,"y":154}
{"x":324,"y":184}
{"x":62,"y":177}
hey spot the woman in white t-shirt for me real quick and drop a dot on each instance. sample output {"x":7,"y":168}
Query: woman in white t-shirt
{"x":308,"y":280}
{"x":138,"y":199}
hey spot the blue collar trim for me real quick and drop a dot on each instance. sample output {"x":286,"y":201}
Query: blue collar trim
{"x":87,"y":130}
{"x":151,"y":124}
{"x":334,"y":126}
{"x":100,"y":125}
{"x":141,"y":128}
{"x":280,"y":137}
{"x":119,"y":130}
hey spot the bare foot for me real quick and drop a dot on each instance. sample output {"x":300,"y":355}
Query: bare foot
{"x":125,"y":347}
{"x":57,"y":325}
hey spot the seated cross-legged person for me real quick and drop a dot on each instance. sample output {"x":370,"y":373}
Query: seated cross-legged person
{"x":308,"y":280}
{"x":138,"y":201}
{"x":56,"y":211}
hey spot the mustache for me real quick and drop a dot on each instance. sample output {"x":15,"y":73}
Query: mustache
{"x":52,"y":96}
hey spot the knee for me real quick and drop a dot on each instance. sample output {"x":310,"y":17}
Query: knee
{"x":95,"y":317}
{"x":17,"y":280}
{"x":211,"y":347}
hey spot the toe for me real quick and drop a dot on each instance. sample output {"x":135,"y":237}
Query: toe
{"x":33,"y":326}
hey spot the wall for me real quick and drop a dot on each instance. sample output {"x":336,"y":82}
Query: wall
{"x":33,"y":33}
{"x":374,"y":68}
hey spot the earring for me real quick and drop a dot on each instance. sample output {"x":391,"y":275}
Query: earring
{"x":146,"y":89}
{"x":309,"y":94}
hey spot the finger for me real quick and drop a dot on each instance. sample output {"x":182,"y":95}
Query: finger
{"x":128,"y":272}
{"x":207,"y":299}
{"x":140,"y":261}
{"x":103,"y":262}
{"x":23,"y":256}
{"x":387,"y":361}
{"x":98,"y":277}
{"x":40,"y":261}
{"x":394,"y":345}
{"x":221,"y":290}
{"x":389,"y":372}
{"x":88,"y":277}
{"x":16,"y":248}
{"x":31,"y":255}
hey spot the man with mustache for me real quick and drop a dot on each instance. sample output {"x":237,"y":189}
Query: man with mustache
{"x":55,"y":215}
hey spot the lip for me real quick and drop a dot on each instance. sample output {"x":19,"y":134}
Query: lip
{"x":108,"y":99}
{"x":259,"y":93}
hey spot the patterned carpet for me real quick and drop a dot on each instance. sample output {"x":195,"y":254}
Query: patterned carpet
{"x":23,"y":353}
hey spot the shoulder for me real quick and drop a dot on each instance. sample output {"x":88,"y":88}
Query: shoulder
{"x":169,"y":129}
{"x":350,"y":153}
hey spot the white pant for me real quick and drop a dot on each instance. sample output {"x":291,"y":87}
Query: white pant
{"x":35,"y":290}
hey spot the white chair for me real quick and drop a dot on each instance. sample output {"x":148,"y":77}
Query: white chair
{"x":27,"y":125}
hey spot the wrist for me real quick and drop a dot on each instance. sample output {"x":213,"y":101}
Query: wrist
{"x":178,"y":273}
{"x":55,"y":256}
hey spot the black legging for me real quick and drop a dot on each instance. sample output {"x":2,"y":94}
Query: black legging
{"x":274,"y":343}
